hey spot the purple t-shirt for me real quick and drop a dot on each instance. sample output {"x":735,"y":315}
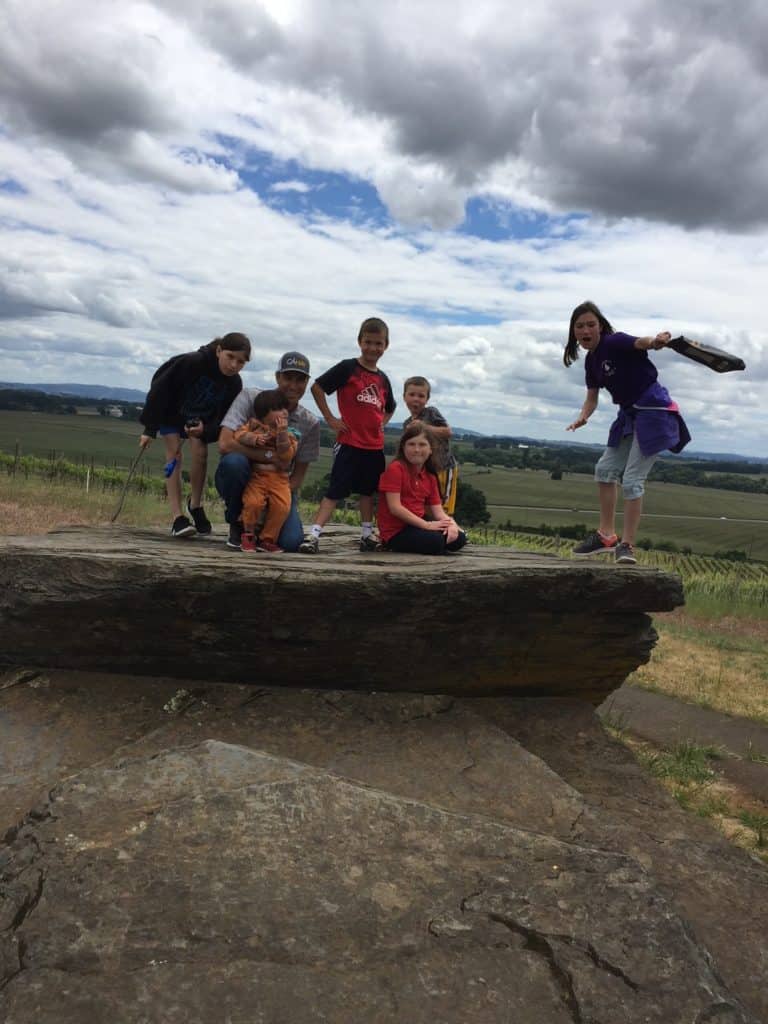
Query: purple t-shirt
{"x":624,"y":371}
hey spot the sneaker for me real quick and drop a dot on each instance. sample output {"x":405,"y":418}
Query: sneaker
{"x":625,"y":554}
{"x":269,"y":547}
{"x":596,"y":544}
{"x":310,"y":545}
{"x":247,"y":541}
{"x":235,"y":536}
{"x":199,"y":518}
{"x":369,"y":543}
{"x":182,"y":527}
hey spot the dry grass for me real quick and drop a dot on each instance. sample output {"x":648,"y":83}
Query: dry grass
{"x":740,"y":816}
{"x":719,"y":666}
{"x":33,"y":506}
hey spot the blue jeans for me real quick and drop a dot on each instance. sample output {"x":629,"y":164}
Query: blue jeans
{"x":233,"y":473}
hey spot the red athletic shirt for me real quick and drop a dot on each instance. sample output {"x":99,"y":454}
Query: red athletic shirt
{"x":418,"y":490}
{"x":364,"y":397}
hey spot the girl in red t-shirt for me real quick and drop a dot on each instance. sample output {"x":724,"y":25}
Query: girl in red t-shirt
{"x":407,"y":489}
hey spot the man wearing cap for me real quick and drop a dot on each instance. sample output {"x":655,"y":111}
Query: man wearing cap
{"x":234,"y":469}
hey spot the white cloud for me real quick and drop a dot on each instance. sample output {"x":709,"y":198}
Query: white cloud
{"x":290,"y":186}
{"x":132,"y":230}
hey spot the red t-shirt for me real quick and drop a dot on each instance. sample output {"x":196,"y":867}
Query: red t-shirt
{"x":364,"y":397}
{"x":418,"y":490}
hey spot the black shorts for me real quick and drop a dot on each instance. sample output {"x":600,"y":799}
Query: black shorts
{"x":355,"y":471}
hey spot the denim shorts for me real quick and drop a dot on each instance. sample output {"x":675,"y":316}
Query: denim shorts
{"x":626,"y":463}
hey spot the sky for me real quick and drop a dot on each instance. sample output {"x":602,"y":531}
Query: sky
{"x":470,"y":171}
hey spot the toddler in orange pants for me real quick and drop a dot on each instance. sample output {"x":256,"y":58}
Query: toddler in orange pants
{"x":268,"y":487}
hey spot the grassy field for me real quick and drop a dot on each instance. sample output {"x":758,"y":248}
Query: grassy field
{"x":689,"y":516}
{"x":108,"y":441}
{"x":706,"y":519}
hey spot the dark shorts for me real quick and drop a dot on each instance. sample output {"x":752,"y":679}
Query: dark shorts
{"x":355,"y":471}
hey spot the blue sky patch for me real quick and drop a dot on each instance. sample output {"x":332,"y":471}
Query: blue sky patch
{"x":289,"y":187}
{"x":13,"y":187}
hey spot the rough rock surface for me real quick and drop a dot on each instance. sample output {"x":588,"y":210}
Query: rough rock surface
{"x":489,"y":620}
{"x":322,"y":899}
{"x":225,"y":852}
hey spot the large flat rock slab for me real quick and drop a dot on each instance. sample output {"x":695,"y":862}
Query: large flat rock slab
{"x":486,"y":621}
{"x":324,"y":900}
{"x":541,"y":766}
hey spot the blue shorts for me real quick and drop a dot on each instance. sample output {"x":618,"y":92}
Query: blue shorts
{"x":355,"y":471}
{"x":165,"y":431}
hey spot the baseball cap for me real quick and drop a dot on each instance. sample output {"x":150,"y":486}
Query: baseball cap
{"x":293,"y":361}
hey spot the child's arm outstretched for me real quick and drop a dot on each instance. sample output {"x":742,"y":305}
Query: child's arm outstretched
{"x":660,"y":341}
{"x":590,"y":404}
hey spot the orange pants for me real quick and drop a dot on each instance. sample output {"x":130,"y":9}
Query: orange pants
{"x":273,"y":491}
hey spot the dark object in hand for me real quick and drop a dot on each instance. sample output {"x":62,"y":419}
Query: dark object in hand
{"x":715,"y":358}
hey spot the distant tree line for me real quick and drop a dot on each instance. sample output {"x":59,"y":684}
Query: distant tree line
{"x":22,"y":400}
{"x":35,"y":401}
{"x":702,"y":476}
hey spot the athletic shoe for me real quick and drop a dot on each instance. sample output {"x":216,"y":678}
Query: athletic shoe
{"x":247,"y":541}
{"x":199,"y":518}
{"x":269,"y":547}
{"x":369,"y":543}
{"x":235,"y":535}
{"x":182,"y":527}
{"x":596,"y":544}
{"x":625,"y":554}
{"x":310,"y":545}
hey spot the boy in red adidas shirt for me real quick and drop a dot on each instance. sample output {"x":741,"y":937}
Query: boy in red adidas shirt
{"x":366,"y":404}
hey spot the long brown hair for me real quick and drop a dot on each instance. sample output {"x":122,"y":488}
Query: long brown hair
{"x":415,"y":429}
{"x":571,"y":353}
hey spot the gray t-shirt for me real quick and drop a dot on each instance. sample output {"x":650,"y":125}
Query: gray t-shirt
{"x":301,"y":419}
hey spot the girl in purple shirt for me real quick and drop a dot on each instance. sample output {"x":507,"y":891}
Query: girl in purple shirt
{"x":647,"y":423}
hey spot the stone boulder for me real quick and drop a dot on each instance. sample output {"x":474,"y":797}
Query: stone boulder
{"x":228,"y":852}
{"x":214,"y":882}
{"x":485,"y":621}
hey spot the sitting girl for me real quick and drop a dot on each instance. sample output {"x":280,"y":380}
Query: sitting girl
{"x":407,"y":489}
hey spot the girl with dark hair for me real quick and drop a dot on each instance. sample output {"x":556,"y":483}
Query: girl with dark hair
{"x":407,"y":489}
{"x":188,"y":398}
{"x":648,"y":421}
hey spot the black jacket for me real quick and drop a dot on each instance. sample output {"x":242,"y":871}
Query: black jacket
{"x":187,"y":387}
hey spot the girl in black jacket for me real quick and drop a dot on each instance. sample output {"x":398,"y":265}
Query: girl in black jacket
{"x":188,"y":397}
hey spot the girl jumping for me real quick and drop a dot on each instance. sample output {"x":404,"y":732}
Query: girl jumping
{"x":648,"y":421}
{"x":188,"y":397}
{"x":407,"y":488}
